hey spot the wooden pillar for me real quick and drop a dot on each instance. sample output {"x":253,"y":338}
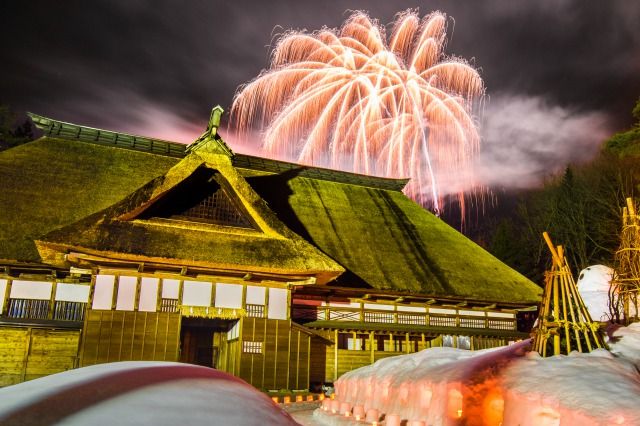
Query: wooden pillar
{"x":114,"y":294}
{"x":298,"y":362}
{"x":7,"y":294}
{"x":52,"y":299}
{"x":27,"y":349}
{"x":335,"y":356}
{"x":309,"y":361}
{"x":372,"y":349}
{"x":275,"y":359}
{"x":136,"y":297}
{"x":264,"y":351}
{"x":159,"y":298}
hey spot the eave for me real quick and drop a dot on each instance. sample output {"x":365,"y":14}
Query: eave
{"x":86,"y":258}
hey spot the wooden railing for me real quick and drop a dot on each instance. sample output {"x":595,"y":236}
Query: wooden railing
{"x":28,"y":309}
{"x":41,"y":309}
{"x":302,"y":313}
{"x":68,"y":311}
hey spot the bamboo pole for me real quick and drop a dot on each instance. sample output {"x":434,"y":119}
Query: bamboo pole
{"x":568,"y":311}
{"x":564,"y":311}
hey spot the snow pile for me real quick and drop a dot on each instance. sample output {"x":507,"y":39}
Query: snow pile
{"x":593,"y":285}
{"x":139,"y":393}
{"x":579,"y":389}
{"x":625,"y":342}
{"x":502,"y":386}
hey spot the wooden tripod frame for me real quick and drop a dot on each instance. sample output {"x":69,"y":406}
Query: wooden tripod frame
{"x":563,"y":315}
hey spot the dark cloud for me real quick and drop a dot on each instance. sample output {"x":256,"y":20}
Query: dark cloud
{"x":121,"y":64}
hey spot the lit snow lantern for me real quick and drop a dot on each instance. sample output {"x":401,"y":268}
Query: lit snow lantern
{"x":392,"y":420}
{"x":454,"y":407}
{"x":373,"y":415}
{"x":345,"y":408}
{"x":358,"y":412}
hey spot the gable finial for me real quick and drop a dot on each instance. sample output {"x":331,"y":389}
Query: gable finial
{"x":214,"y":120}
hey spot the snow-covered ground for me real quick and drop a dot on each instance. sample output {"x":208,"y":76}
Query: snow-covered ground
{"x":139,"y":393}
{"x":501,"y":386}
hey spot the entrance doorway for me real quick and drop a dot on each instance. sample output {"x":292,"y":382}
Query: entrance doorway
{"x":203,"y":341}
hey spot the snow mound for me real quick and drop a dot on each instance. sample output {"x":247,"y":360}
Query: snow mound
{"x":593,"y":285}
{"x":500,"y":386}
{"x":139,"y":393}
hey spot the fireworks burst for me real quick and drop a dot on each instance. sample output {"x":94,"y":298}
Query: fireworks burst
{"x":356,"y":100}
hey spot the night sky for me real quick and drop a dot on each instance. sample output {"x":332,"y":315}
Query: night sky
{"x":560,"y":75}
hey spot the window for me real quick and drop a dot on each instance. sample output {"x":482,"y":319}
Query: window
{"x":348,"y":342}
{"x":464,"y":342}
{"x":447,"y":341}
{"x":250,"y":347}
{"x":255,"y":311}
{"x":234,"y":332}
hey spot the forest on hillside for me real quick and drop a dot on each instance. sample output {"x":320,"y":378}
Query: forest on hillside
{"x":581,"y":209}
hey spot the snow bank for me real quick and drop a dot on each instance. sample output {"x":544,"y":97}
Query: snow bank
{"x":502,"y":386}
{"x":625,"y":342}
{"x":139,"y":393}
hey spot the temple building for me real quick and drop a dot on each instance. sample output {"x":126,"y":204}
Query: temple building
{"x":116,"y":247}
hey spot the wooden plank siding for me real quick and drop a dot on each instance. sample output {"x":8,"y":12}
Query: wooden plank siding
{"x":110,"y":336}
{"x":283,"y":362}
{"x":28,"y":353}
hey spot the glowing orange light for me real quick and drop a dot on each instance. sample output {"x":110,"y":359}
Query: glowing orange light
{"x":454,"y":407}
{"x":287,"y":399}
{"x":493,"y":408}
{"x":309,"y":397}
{"x":298,"y":398}
{"x":354,"y":99}
{"x":275,"y":399}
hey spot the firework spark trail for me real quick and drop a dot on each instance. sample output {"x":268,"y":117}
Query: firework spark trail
{"x":398,"y":108}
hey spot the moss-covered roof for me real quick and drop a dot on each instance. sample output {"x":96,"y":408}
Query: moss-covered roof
{"x":383,"y":240}
{"x":52,"y":182}
{"x":388,"y":242}
{"x":124,"y":232}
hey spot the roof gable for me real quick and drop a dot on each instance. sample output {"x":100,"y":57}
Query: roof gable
{"x":204,"y":197}
{"x":153,"y":224}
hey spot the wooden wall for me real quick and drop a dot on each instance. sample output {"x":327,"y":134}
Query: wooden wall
{"x":284,"y":360}
{"x":28,"y":353}
{"x":110,"y":336}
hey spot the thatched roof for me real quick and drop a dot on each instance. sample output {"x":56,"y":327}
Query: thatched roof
{"x":312,"y":219}
{"x":388,"y":242}
{"x":53,"y":182}
{"x":127,"y":231}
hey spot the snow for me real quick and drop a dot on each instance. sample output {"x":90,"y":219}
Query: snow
{"x":625,"y":342}
{"x":593,"y":285}
{"x":500,"y":386}
{"x":139,"y":393}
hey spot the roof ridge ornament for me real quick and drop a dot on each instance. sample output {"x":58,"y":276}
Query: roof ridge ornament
{"x":211,"y":135}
